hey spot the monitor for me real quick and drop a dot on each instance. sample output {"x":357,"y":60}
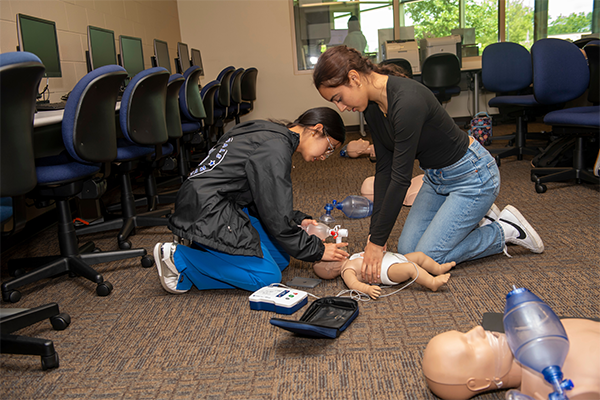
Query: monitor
{"x":184,"y":56}
{"x":101,"y":46}
{"x":132,"y":55}
{"x":161,"y":51}
{"x":38,"y":36}
{"x":197,"y":60}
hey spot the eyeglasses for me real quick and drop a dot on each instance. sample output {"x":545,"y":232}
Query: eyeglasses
{"x":330,"y":147}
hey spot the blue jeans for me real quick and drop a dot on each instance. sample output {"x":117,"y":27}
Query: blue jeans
{"x":443,"y":220}
{"x":206,"y":268}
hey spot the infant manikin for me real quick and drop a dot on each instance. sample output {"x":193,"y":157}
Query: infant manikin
{"x":359,"y":147}
{"x":367,"y":189}
{"x":395,"y":268}
{"x":458,"y":366}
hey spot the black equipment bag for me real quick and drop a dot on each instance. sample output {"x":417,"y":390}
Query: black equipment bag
{"x":325,"y":318}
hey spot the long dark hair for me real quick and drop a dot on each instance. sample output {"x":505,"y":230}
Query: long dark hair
{"x":332,"y":122}
{"x":334,"y":65}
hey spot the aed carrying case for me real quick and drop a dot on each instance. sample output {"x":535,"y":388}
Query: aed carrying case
{"x":324,"y":318}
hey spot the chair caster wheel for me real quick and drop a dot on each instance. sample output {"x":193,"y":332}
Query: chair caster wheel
{"x":16,"y":272}
{"x":125,"y":245}
{"x":534,"y":178}
{"x":50,"y":361}
{"x":11,"y":297}
{"x":540,"y":188}
{"x":61,"y":321}
{"x":147,"y":261}
{"x":97,"y":250}
{"x":498,"y":161}
{"x":104,"y":288}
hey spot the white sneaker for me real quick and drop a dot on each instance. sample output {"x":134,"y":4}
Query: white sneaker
{"x":518,"y":231}
{"x":491,"y":216}
{"x":168,"y":274}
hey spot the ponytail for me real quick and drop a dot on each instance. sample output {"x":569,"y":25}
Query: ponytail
{"x":334,"y":65}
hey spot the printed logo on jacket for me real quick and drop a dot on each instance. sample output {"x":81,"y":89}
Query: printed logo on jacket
{"x":214,"y":157}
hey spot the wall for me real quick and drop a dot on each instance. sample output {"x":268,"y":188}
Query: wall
{"x":145,"y":19}
{"x":258,"y":33}
{"x":252,"y":33}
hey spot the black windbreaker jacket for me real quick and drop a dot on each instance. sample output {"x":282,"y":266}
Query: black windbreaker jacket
{"x":249,"y":167}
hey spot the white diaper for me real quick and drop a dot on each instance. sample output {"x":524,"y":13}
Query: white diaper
{"x":388,"y":260}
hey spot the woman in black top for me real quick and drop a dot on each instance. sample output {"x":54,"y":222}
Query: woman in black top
{"x":461,"y":178}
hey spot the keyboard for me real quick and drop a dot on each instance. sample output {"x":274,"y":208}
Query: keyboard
{"x":50,"y":106}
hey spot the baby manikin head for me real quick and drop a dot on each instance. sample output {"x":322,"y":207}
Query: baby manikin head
{"x":328,"y":269}
{"x":358,"y":147}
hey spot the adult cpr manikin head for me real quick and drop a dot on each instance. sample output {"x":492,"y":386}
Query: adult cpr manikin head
{"x":462,"y":365}
{"x":358,"y":147}
{"x":367,"y":189}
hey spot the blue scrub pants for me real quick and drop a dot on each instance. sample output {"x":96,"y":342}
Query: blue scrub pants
{"x":206,"y":268}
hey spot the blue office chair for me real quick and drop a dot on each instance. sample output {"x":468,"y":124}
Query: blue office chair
{"x":20,"y":74}
{"x":249,"y":81}
{"x":506,"y":70}
{"x":208,"y":93}
{"x":441,"y":74}
{"x":89,"y":136}
{"x":142,"y":120}
{"x":561,"y":74}
{"x":235,"y":91}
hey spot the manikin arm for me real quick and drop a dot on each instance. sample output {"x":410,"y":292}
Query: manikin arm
{"x":350,"y":279}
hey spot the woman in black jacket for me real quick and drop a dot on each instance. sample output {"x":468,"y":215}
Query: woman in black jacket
{"x":236,"y":207}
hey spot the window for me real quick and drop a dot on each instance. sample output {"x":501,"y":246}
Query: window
{"x":360,"y":24}
{"x":570,"y":19}
{"x":367,"y":24}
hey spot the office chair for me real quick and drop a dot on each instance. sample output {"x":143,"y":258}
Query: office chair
{"x":235,"y":90}
{"x":223,"y":99}
{"x":20,"y":74}
{"x":249,"y":79}
{"x":192,"y":113}
{"x":592,"y":51}
{"x":174,"y":129}
{"x":208,"y":93}
{"x":506,"y":70}
{"x":561,"y":74}
{"x":142,"y":119}
{"x":441,"y":74}
{"x":89,"y":136}
{"x":403,"y":63}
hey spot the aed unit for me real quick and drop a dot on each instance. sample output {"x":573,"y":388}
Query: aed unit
{"x":279,"y":300}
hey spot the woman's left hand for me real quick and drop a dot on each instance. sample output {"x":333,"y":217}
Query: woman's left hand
{"x":307,"y":222}
{"x":334,"y":253}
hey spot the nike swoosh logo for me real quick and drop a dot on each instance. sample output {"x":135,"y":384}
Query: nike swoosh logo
{"x":522,"y":234}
